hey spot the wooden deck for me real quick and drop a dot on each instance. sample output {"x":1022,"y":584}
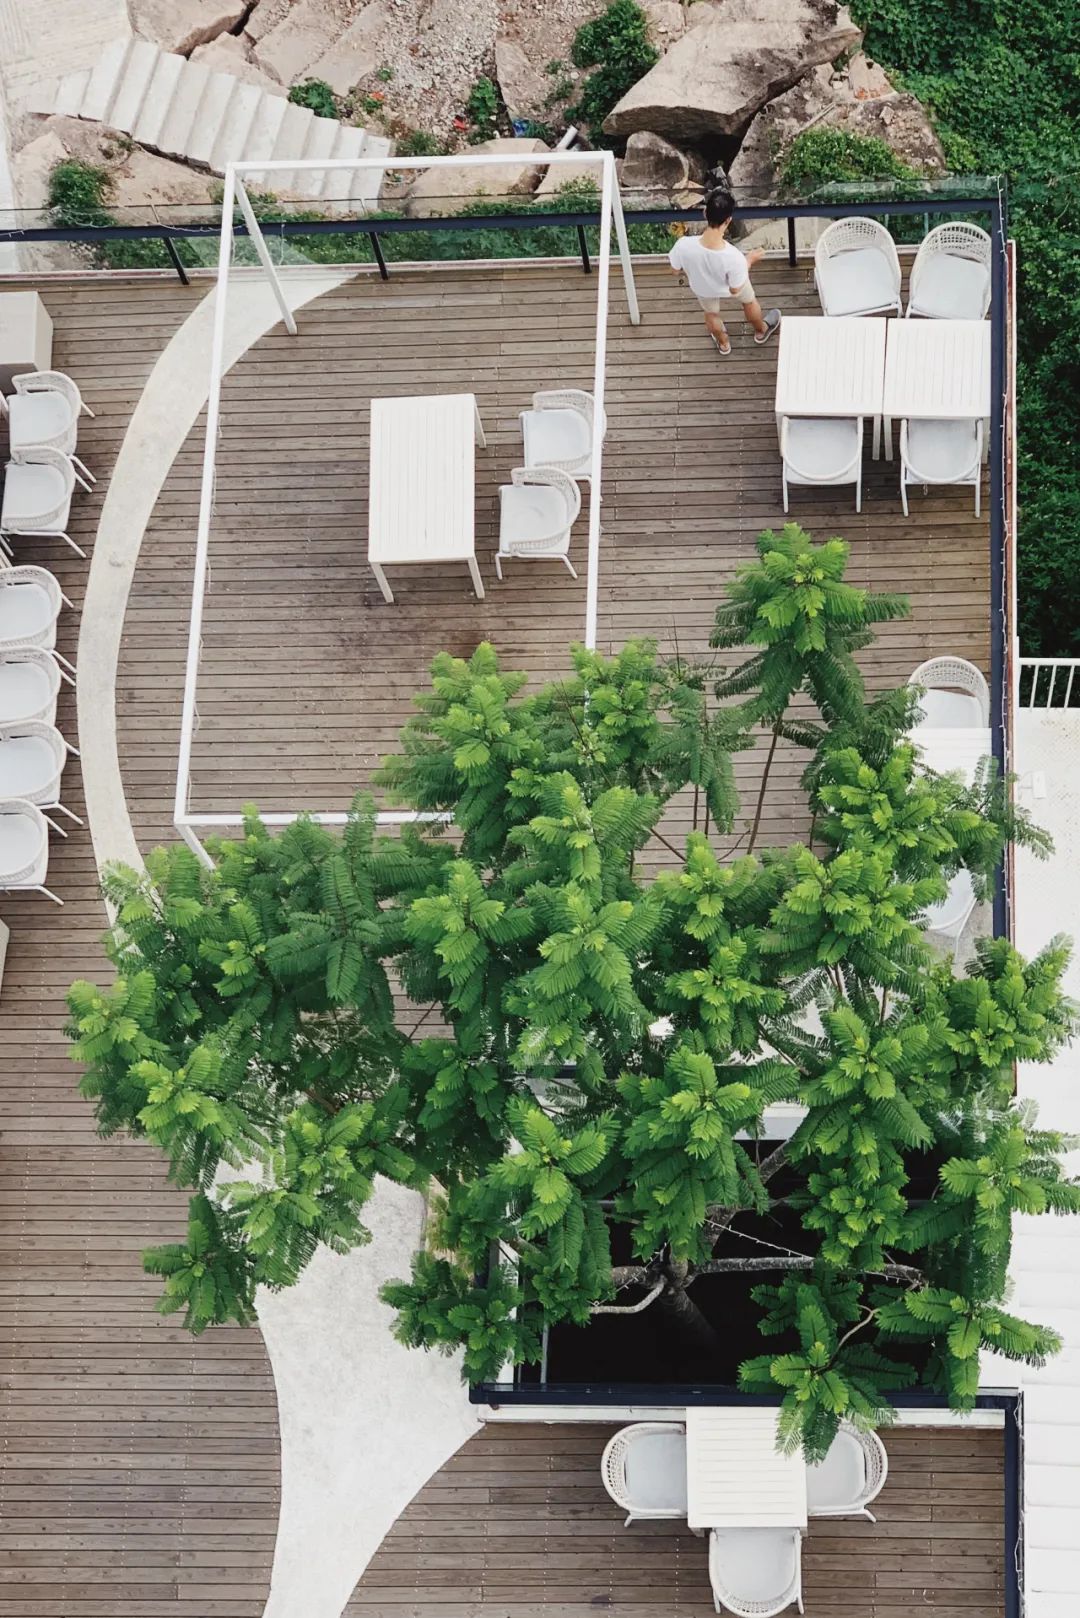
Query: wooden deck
{"x":139,"y":1470}
{"x":517,"y":1525}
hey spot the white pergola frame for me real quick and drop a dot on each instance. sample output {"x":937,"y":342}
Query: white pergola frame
{"x":189,"y":824}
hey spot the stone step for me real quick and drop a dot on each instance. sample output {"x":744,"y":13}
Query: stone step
{"x":269,"y":116}
{"x":157,"y":102}
{"x":343,"y":185}
{"x":71,"y":92}
{"x":211,"y":115}
{"x":291,"y":140}
{"x":231,"y":138}
{"x":320,"y":143}
{"x":105,"y":78}
{"x":371,"y":179}
{"x":179,"y":121}
{"x":138,"y":69}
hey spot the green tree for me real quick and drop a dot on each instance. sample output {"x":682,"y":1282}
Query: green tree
{"x":592,"y":1053}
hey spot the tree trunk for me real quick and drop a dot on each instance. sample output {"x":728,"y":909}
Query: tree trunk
{"x":764,"y":784}
{"x":684,"y":1313}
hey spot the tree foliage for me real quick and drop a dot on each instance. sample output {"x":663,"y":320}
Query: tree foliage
{"x":590,"y":1049}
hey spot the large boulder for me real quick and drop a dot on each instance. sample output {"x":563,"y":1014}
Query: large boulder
{"x":901,"y":122}
{"x":229,"y":54}
{"x":306,"y":31}
{"x":359,"y":50}
{"x":446,"y":190}
{"x":524,"y":86}
{"x":180,"y":25}
{"x":742,"y":55}
{"x":667,"y":21}
{"x":655,"y":173}
{"x":31,"y":168}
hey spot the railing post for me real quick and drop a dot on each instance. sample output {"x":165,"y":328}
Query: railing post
{"x":583,"y":245}
{"x":170,"y":248}
{"x":376,"y":248}
{"x":792,"y":256}
{"x":997,"y":526}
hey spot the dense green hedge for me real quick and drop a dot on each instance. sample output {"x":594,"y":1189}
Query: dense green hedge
{"x":1002,"y":79}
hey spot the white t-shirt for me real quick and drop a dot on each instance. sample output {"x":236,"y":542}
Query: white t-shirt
{"x":713,"y":272}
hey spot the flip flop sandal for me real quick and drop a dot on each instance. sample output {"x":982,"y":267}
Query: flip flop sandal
{"x":772,"y":324}
{"x":716,"y":344}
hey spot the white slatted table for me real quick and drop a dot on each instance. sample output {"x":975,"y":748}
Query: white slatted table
{"x":831,"y":368}
{"x":936,"y":370}
{"x":946,"y":749}
{"x":735,"y":1475}
{"x":422,"y":484}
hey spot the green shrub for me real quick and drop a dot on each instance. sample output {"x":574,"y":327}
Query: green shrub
{"x":823,"y":157}
{"x":418,"y":143}
{"x":616,"y":44}
{"x":483,"y":108}
{"x":77,"y":194}
{"x":317,"y":96}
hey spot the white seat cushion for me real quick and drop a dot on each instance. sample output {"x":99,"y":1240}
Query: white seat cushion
{"x":555,"y":437}
{"x":26,"y":613}
{"x":655,"y":1472}
{"x":819,"y":451}
{"x":951,"y":288}
{"x":950,"y":710}
{"x":21,"y":845}
{"x":27,"y":766}
{"x":38,"y":418}
{"x":31,"y":492}
{"x":840,"y":1479}
{"x":26,"y":692}
{"x":532,"y":511}
{"x":859,"y":280}
{"x":942,"y":451}
{"x":755,"y":1564}
{"x":957,"y":905}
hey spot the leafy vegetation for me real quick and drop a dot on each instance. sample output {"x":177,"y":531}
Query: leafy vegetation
{"x":592,"y":1053}
{"x":317,"y":96}
{"x":822,"y":157}
{"x":1002,"y":82}
{"x":617,"y":47}
{"x":418,"y":143}
{"x":482,"y":108}
{"x":78,"y":196}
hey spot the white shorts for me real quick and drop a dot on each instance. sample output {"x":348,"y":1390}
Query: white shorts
{"x":714,"y":306}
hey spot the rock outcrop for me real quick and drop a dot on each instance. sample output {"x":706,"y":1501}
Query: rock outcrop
{"x":180,"y":25}
{"x":741,"y":55}
{"x":656,"y":173}
{"x":447,"y":190}
{"x":524,"y":86}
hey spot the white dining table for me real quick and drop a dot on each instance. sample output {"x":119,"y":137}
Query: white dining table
{"x":422,"y":484}
{"x":935,"y":370}
{"x":830,"y":368}
{"x":735,"y":1475}
{"x":949,"y":749}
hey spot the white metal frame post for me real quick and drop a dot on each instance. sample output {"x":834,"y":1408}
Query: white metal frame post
{"x":188,"y":823}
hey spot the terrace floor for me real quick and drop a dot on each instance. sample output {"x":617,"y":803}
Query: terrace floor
{"x":139,"y":1468}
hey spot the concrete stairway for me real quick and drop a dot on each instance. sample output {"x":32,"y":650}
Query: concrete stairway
{"x":182,"y":109}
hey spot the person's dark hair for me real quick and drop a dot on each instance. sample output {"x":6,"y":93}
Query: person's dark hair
{"x":719,"y":207}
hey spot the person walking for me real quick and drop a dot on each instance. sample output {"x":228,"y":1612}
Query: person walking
{"x":716,"y":270}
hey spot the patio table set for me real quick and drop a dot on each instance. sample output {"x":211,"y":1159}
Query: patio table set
{"x":719,"y":1469}
{"x":931,"y":373}
{"x":43,"y":409}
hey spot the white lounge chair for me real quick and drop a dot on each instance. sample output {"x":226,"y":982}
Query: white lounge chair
{"x":38,"y":485}
{"x":950,"y":278}
{"x":856,"y":269}
{"x":822,"y":451}
{"x":558,"y":431}
{"x":644,"y":1469}
{"x":536,"y":513}
{"x":941,"y":452}
{"x":24,"y":848}
{"x":955,"y":694}
{"x":755,"y":1572}
{"x":32,"y":759}
{"x":44,"y":413}
{"x":30,"y":602}
{"x":29,"y":685}
{"x":852,"y":1474}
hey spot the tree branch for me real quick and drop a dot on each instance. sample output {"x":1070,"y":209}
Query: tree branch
{"x":629,"y":1308}
{"x":724,"y":1266}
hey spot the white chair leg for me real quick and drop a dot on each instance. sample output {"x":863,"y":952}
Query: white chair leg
{"x":49,"y":821}
{"x":569,"y":567}
{"x":783,"y":479}
{"x":64,"y":664}
{"x":76,"y":548}
{"x":75,"y":461}
{"x":86,"y":407}
{"x":74,"y":751}
{"x":498,"y":566}
{"x":49,"y":894}
{"x":64,"y":810}
{"x":858,"y":492}
{"x":903,"y":493}
{"x":978,"y":493}
{"x":79,"y":479}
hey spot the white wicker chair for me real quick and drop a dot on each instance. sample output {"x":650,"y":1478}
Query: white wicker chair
{"x":32,"y":759}
{"x":536,"y":513}
{"x":44,"y":412}
{"x":948,"y":918}
{"x":955,"y":694}
{"x":643,"y":1468}
{"x":822,"y":451}
{"x":755,"y":1572}
{"x":950,"y":278}
{"x":38,"y":486}
{"x":852,"y":1474}
{"x":24,"y":848}
{"x":941,"y":452}
{"x":856,"y":269}
{"x":30,"y":602}
{"x":29,"y":685}
{"x":558,"y":431}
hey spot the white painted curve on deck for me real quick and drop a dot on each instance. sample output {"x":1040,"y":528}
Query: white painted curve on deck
{"x":364,"y":1422}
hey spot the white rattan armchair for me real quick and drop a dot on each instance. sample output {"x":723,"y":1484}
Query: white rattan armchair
{"x":558,"y":431}
{"x":44,"y":412}
{"x":24,"y":848}
{"x":950,"y":278}
{"x":955,"y":694}
{"x":948,"y":918}
{"x":30,"y":602}
{"x":856,"y":269}
{"x":38,"y":486}
{"x":823,"y":451}
{"x":32,"y":759}
{"x":29,"y":685}
{"x":755,"y":1572}
{"x":941,"y":452}
{"x":536,"y":513}
{"x":852,"y":1474}
{"x":644,"y":1469}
